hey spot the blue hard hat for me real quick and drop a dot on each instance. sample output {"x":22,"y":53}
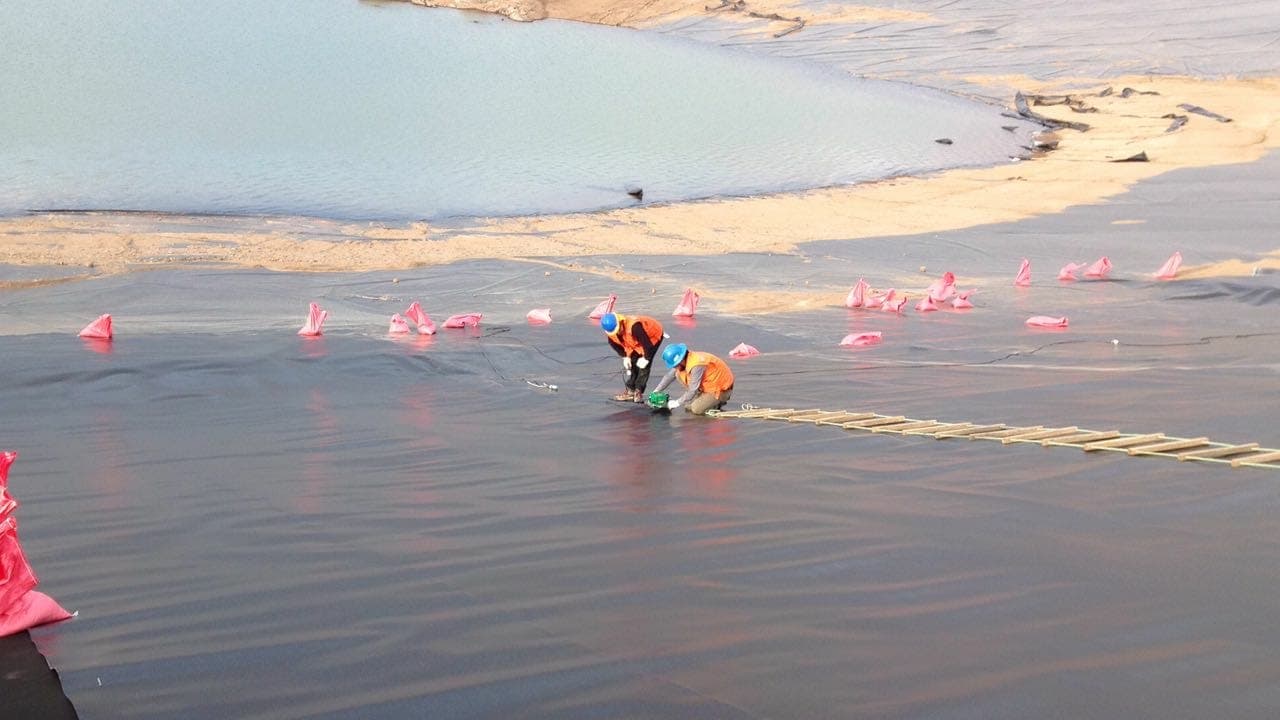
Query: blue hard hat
{"x":674,"y":354}
{"x":609,"y":322}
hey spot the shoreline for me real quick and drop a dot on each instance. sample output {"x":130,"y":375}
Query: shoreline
{"x":1082,"y":170}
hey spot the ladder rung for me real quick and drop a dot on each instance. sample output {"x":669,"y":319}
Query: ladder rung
{"x":1217,"y":452}
{"x":1122,"y":442}
{"x":1265,"y":457}
{"x":941,"y":427}
{"x":966,"y":432}
{"x":1002,"y":434}
{"x":909,"y":425}
{"x":1041,"y":435}
{"x":1084,"y":437}
{"x":843,"y":418}
{"x":1168,"y":446}
{"x":875,"y":422}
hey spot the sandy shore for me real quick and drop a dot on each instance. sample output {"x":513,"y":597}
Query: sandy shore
{"x":1081,"y":171}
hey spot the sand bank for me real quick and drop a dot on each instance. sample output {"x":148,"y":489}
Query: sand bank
{"x":1081,"y":171}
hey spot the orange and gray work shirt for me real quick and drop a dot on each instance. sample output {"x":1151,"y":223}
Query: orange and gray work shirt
{"x":702,"y":373}
{"x":639,"y":335}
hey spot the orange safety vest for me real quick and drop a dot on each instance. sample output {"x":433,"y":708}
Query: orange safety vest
{"x":715,"y":379}
{"x":630,"y":345}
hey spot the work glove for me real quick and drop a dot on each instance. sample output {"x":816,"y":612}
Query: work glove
{"x":673,"y":404}
{"x":642,"y":362}
{"x":626,"y":363}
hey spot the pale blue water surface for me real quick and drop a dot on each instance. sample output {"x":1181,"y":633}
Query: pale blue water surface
{"x":339,"y":108}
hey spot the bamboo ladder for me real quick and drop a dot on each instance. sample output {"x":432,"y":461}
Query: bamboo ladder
{"x":1198,"y":449}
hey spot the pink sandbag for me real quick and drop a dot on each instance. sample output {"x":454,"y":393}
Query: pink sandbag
{"x":1046,"y":322}
{"x":875,"y":301}
{"x":99,"y":329}
{"x":743,"y":350}
{"x":942,"y":289}
{"x":539,"y":316}
{"x":688,"y":304}
{"x":926,"y":304}
{"x":420,"y":319}
{"x":604,"y":308}
{"x":463,"y":320}
{"x":1068,"y":271}
{"x":1098,"y":269}
{"x":21,"y":607}
{"x":961,"y":300}
{"x":32,"y":609}
{"x":857,"y":297}
{"x":893,"y":304}
{"x":862,"y":339}
{"x":398,"y":325}
{"x":1170,"y":267}
{"x":1024,"y":274}
{"x":315,"y":322}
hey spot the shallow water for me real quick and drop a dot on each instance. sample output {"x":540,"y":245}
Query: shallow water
{"x":391,"y":111}
{"x":257,"y":525}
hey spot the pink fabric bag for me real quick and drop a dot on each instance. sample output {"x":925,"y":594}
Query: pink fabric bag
{"x":961,"y":300}
{"x":539,"y":316}
{"x":420,"y":319}
{"x":21,"y":607}
{"x":862,"y":339}
{"x":942,"y":289}
{"x":398,"y":325}
{"x":926,"y":304}
{"x":1024,"y":274}
{"x":463,"y":320}
{"x":99,"y":329}
{"x":1045,"y":321}
{"x":1098,"y":269}
{"x":315,"y":322}
{"x":857,"y":296}
{"x":743,"y":350}
{"x":604,"y":308}
{"x":1170,"y":267}
{"x":688,"y":304}
{"x":1068,"y":271}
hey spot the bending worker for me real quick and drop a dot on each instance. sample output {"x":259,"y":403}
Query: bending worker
{"x":708,"y":379}
{"x":636,"y":339}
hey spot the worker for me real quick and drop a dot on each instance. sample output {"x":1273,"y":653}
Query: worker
{"x":708,"y":380}
{"x":636,"y":339}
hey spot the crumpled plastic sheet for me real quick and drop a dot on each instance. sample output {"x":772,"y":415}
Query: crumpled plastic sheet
{"x":604,"y":308}
{"x":463,"y":320}
{"x":743,"y":350}
{"x":862,"y":339}
{"x":315,"y":322}
{"x":688,"y":304}
{"x":1046,"y":321}
{"x":539,"y":316}
{"x":99,"y":329}
{"x":21,"y":606}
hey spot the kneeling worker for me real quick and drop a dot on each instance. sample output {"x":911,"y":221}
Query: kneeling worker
{"x":636,"y":339}
{"x":708,"y":379}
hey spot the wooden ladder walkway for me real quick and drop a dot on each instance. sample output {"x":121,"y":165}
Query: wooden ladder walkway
{"x":1152,"y":444}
